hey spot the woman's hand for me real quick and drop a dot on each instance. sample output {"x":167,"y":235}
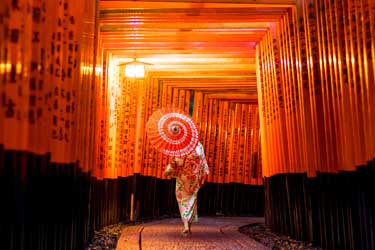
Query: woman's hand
{"x":168,"y":170}
{"x":166,"y":174}
{"x":178,"y":161}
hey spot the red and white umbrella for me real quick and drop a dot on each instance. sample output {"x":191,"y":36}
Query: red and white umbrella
{"x":172,"y":132}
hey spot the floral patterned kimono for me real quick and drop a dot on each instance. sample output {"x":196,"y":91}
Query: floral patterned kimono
{"x":190,"y":173}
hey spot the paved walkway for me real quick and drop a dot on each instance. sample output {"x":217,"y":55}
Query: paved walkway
{"x":209,"y":233}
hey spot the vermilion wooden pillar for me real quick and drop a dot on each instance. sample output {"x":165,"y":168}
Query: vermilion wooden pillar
{"x":316,"y":98}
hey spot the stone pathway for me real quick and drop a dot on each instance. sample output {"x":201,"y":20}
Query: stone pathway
{"x":209,"y":233}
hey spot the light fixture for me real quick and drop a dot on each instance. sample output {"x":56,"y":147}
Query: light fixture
{"x":134,"y":69}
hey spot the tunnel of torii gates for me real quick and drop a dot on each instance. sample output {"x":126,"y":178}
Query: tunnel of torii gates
{"x":282,"y":91}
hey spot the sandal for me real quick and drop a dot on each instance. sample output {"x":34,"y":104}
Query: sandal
{"x":185,"y":232}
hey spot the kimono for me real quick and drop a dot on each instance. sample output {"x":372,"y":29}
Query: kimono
{"x":190,"y":173}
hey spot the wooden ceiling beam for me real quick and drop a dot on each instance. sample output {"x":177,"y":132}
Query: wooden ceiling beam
{"x":208,"y":47}
{"x":184,"y":26}
{"x":188,"y":4}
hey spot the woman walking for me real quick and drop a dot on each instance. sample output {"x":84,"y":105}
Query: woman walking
{"x":190,"y":172}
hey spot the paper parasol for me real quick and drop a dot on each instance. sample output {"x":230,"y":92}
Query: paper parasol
{"x":172,"y":132}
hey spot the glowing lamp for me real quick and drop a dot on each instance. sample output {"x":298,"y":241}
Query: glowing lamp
{"x":135,"y":69}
